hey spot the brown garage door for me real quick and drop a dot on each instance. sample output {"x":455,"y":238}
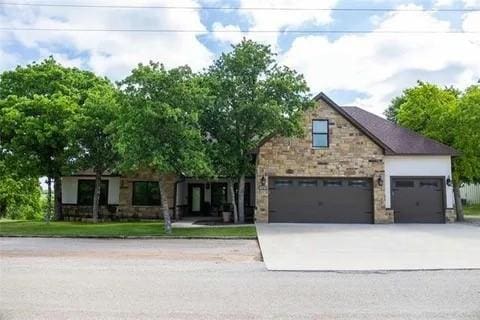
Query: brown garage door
{"x":418,"y":200}
{"x":299,"y":200}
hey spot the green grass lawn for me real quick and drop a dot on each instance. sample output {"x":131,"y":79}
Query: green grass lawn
{"x":116,"y":229}
{"x":472,"y":210}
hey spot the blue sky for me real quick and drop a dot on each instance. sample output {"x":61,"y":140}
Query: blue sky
{"x":354,"y":69}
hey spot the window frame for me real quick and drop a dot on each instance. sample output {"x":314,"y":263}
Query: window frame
{"x":92,"y":181}
{"x":149,"y":204}
{"x":327,"y":134}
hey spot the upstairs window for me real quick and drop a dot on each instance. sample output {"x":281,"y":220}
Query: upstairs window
{"x":320,"y":137}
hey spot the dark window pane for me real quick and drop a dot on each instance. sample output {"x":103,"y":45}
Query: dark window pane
{"x":404,"y":184}
{"x":307,"y":183}
{"x":359,"y":183}
{"x":283,"y":183}
{"x":332,"y":183}
{"x":428,"y":184}
{"x":146,"y":193}
{"x":86,"y":190}
{"x":320,"y":126}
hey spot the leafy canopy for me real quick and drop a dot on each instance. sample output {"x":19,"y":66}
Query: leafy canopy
{"x":252,"y":98}
{"x":37,"y":107}
{"x":157,"y":126}
{"x":448,"y":116}
{"x":93,"y":128}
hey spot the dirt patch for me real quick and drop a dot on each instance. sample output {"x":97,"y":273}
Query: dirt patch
{"x":247,"y":251}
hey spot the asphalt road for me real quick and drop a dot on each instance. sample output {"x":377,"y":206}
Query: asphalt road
{"x":211,"y":279}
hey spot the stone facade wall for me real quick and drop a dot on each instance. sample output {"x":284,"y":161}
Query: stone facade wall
{"x":350,"y":154}
{"x":451,"y":215}
{"x":125,"y":210}
{"x":128,"y":210}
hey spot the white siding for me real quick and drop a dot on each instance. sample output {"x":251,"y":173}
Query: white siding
{"x":471,"y":193}
{"x":70,"y":189}
{"x":428,"y":166}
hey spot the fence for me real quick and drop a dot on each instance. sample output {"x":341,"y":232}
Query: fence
{"x":471,"y":193}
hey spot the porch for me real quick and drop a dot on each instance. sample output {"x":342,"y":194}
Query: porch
{"x":205,"y":200}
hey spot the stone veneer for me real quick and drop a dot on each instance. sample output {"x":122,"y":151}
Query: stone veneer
{"x":350,"y":154}
{"x":125,"y":210}
{"x":451,"y":215}
{"x":128,"y":210}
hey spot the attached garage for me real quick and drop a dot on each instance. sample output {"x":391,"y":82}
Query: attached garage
{"x":418,"y":200}
{"x":320,"y":200}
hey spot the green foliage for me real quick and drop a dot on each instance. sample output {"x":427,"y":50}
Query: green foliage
{"x":158,"y":121}
{"x":20,"y":198}
{"x":37,"y":107}
{"x":93,"y":127}
{"x":450,"y":117}
{"x":467,"y":135}
{"x":392,"y":109}
{"x":35,"y":132}
{"x":118,"y":229}
{"x":252,"y":98}
{"x":429,"y":110}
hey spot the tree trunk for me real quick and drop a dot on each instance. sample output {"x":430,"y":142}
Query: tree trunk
{"x":458,"y":202}
{"x":3,"y":209}
{"x":241,"y":199}
{"x":166,"y":211}
{"x":234,"y":203}
{"x":57,"y":189}
{"x":96,"y":194}
{"x":49,"y":200}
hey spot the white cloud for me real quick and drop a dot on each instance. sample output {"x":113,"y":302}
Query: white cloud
{"x":111,"y":53}
{"x":278,"y":20}
{"x":447,"y":3}
{"x":471,"y":22}
{"x":381,"y":65}
{"x":234,"y":34}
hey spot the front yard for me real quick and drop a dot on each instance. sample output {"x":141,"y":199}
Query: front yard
{"x":472,"y":210}
{"x":118,"y":229}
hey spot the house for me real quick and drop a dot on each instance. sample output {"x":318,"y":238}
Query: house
{"x":351,"y":166}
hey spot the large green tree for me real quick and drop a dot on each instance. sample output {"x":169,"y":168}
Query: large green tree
{"x":252,"y":98}
{"x":19,"y":196}
{"x":158,"y":125}
{"x":93,"y":135}
{"x":451,"y":117}
{"x":37,"y":107}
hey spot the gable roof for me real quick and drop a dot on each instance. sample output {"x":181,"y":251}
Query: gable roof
{"x":399,"y":140}
{"x":393,"y":139}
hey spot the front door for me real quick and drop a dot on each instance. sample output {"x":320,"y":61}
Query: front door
{"x":195,"y":198}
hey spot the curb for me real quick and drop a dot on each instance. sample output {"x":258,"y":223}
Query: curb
{"x":129,"y":237}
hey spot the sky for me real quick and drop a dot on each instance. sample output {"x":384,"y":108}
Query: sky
{"x":363,"y":69}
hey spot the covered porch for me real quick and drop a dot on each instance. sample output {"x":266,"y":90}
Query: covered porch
{"x":202,"y":198}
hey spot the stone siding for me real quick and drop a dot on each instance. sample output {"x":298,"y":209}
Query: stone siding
{"x":450,"y":215}
{"x":126,"y":207}
{"x":125,"y":210}
{"x":350,"y":154}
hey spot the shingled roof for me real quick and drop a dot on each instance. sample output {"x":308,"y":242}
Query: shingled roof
{"x":396,"y":139}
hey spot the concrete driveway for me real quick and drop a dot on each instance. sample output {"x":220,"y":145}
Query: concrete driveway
{"x":346,"y":247}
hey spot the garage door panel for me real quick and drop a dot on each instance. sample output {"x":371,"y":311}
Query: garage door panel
{"x":418,"y":200}
{"x":310,"y":200}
